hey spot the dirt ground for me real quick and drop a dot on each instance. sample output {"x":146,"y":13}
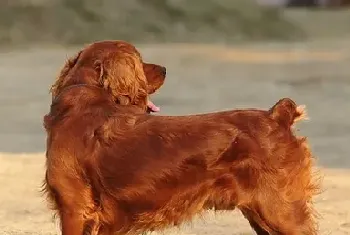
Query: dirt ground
{"x":23,"y":210}
{"x":201,"y":78}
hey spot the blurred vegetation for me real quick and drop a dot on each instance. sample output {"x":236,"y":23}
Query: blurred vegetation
{"x":81,"y":21}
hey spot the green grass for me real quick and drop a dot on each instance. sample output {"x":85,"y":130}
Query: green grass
{"x":81,"y":21}
{"x":321,"y":23}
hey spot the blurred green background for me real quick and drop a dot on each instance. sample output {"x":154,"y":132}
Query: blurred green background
{"x":210,"y":21}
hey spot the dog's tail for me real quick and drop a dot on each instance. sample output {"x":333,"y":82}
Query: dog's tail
{"x":286,"y":112}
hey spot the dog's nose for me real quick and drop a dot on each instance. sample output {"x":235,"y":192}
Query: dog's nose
{"x":163,"y":71}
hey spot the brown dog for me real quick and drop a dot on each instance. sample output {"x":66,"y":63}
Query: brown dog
{"x":112,"y":168}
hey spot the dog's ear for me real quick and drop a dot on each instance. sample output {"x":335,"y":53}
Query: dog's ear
{"x":70,"y":63}
{"x":98,"y":66}
{"x":104,"y":80}
{"x":124,"y":78}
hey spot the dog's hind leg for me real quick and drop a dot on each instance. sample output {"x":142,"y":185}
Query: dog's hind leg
{"x":259,"y":230}
{"x":255,"y":222}
{"x":281,"y":218}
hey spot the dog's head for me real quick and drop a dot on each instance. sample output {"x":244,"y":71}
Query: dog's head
{"x":116,"y":66}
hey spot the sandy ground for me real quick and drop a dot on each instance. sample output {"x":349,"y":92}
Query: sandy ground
{"x":201,"y":78}
{"x":23,"y":211}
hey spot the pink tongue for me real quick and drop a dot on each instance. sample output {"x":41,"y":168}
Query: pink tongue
{"x":153,"y":107}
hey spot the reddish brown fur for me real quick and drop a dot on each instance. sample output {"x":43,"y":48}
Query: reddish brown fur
{"x":114,"y":169}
